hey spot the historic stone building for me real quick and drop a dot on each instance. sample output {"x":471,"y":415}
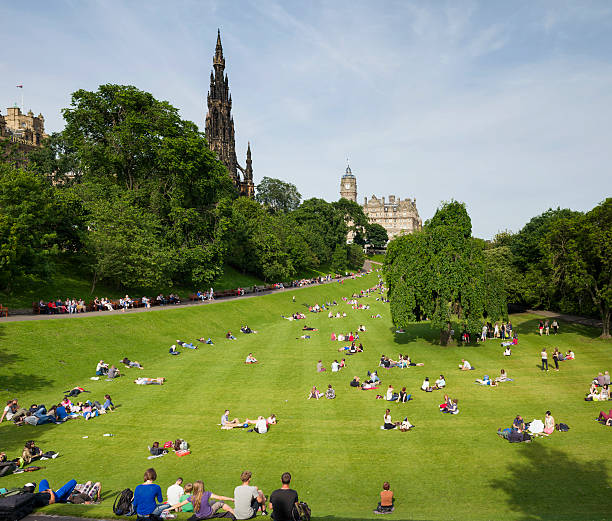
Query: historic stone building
{"x":27,"y":130}
{"x":397,"y":216}
{"x":220,"y":126}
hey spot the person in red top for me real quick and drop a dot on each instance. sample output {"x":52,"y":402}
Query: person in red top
{"x":385,"y":505}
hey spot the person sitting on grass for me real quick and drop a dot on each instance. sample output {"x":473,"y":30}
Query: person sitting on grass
{"x":465,"y":365}
{"x":570,"y":355}
{"x":390,"y":395}
{"x":508,"y":351}
{"x":403,"y":396}
{"x":387,"y":423}
{"x":503,"y":376}
{"x":131,"y":363}
{"x":355,"y":382}
{"x":425,"y":385}
{"x":206,"y":341}
{"x":261,"y":425}
{"x":150,"y":381}
{"x":203,"y":508}
{"x":148,"y":500}
{"x":330,"y":394}
{"x":227,"y":424}
{"x":101,"y":368}
{"x":518,"y":424}
{"x":440,"y":383}
{"x":320,"y":367}
{"x":248,"y":499}
{"x":271,"y":420}
{"x":108,"y":404}
{"x":385,"y":505}
{"x":314,"y":393}
{"x":247,"y":330}
{"x":603,"y":417}
{"x":250,"y":359}
{"x":173,"y":350}
{"x":452,"y":407}
{"x":229,"y":336}
{"x":187,"y":493}
{"x":549,"y":423}
{"x":113,"y":373}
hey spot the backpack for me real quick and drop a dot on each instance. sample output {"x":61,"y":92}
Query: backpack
{"x":562,"y":427}
{"x":123,"y":505}
{"x":301,"y":512}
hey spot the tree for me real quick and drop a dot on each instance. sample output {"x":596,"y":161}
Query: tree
{"x":278,"y":195}
{"x":377,"y":236}
{"x":439,"y":274}
{"x":578,"y":252}
{"x":29,"y":218}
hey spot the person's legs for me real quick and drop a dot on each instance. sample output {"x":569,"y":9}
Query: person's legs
{"x":159,"y":509}
{"x":556,"y":360}
{"x":63,"y":493}
{"x":43,"y":485}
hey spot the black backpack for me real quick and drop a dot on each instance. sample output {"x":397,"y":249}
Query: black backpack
{"x":123,"y":503}
{"x":562,"y":427}
{"x":301,"y":511}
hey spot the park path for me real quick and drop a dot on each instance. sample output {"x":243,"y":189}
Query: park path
{"x":592,"y":322}
{"x":24,"y":317}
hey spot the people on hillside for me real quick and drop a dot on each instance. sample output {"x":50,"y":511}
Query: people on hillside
{"x":260,"y":425}
{"x":465,"y":365}
{"x":248,"y":499}
{"x":330,"y":394}
{"x":148,"y":500}
{"x":385,"y":505}
{"x":544,"y":356}
{"x":250,"y":359}
{"x":314,"y":393}
{"x":226,"y":423}
{"x":320,"y":367}
{"x":387,"y":422}
{"x":203,"y":507}
{"x":175,"y":491}
{"x":549,"y":423}
{"x":101,"y":368}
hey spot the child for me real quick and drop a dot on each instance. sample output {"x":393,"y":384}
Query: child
{"x":385,"y":506}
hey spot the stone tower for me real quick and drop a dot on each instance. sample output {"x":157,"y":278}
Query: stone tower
{"x":348,"y":185}
{"x":219,"y":128}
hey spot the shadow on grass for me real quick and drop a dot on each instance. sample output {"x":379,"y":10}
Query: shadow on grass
{"x":530,"y":327}
{"x":550,"y":485}
{"x":15,"y":382}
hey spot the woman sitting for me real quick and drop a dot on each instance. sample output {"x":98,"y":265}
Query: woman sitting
{"x":355,"y":382}
{"x":390,"y":395}
{"x":508,"y":351}
{"x":452,"y":407}
{"x":549,"y":423}
{"x":203,"y":507}
{"x":227,"y":424}
{"x":570,"y":355}
{"x":425,"y":385}
{"x":250,"y":359}
{"x":503,"y":376}
{"x":108,"y":404}
{"x":314,"y":393}
{"x":403,"y":396}
{"x":320,"y":367}
{"x":330,"y":394}
{"x":387,"y":423}
{"x":385,"y":506}
{"x":89,"y":411}
{"x":156,"y":450}
{"x":440,"y":383}
{"x":447,"y":402}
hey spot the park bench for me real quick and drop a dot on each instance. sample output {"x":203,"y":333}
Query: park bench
{"x":3,"y":310}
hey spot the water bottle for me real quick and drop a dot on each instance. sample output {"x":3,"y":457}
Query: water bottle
{"x":107,"y":434}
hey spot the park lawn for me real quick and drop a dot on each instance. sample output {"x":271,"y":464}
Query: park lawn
{"x":377,"y":257}
{"x":447,"y":468}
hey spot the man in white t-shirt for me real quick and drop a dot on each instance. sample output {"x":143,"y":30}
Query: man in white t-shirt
{"x":248,"y":499}
{"x":261,"y":426}
{"x":175,"y":492}
{"x":335,"y":367}
{"x":465,"y":365}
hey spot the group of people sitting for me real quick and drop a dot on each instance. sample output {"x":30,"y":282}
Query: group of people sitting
{"x":600,"y":388}
{"x":439,"y":384}
{"x":403,"y":361}
{"x":58,"y":306}
{"x":449,"y":405}
{"x":523,"y":432}
{"x":329,"y":393}
{"x":247,"y":330}
{"x":389,"y":424}
{"x":29,"y":454}
{"x":260,"y":425}
{"x":103,"y":369}
{"x":352,"y":349}
{"x":392,"y":396}
{"x":63,"y":411}
{"x":486,"y":379}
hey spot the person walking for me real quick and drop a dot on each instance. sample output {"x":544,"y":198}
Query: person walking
{"x":544,"y":356}
{"x":556,"y":358}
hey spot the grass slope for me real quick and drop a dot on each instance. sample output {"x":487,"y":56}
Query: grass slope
{"x":452,"y":468}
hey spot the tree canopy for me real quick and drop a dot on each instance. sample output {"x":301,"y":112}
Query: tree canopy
{"x":440,"y":274}
{"x":278,"y":195}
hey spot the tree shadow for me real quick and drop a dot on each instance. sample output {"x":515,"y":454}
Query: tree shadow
{"x":549,"y":485}
{"x":416,"y":331}
{"x":530,"y":327}
{"x":14,"y":381}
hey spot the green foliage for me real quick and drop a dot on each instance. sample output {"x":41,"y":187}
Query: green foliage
{"x":377,"y":236}
{"x":278,"y":195}
{"x":440,"y":273}
{"x":578,"y":249}
{"x":30,"y":219}
{"x":339,"y":261}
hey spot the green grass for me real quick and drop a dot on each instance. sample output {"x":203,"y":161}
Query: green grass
{"x":379,"y":257}
{"x":448,"y":468}
{"x":71,"y":282}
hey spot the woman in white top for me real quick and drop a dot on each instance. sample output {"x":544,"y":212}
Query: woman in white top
{"x":544,"y":356}
{"x":391,"y":396}
{"x":425,"y":385}
{"x":388,"y":424}
{"x":508,"y":352}
{"x":440,"y":382}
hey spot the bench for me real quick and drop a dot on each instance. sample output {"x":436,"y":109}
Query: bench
{"x":3,"y":310}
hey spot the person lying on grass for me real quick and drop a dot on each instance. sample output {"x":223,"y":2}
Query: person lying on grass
{"x":306,"y":328}
{"x":229,"y":336}
{"x":131,"y":363}
{"x":150,"y":381}
{"x":188,"y":345}
{"x":206,"y":341}
{"x":250,"y":359}
{"x":75,"y":391}
{"x":486,"y":381}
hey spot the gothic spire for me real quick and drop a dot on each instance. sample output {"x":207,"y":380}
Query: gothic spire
{"x":218,"y":59}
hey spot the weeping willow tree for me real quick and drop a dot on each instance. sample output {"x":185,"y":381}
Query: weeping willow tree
{"x":440,"y":274}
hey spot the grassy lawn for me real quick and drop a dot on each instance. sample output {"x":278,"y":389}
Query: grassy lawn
{"x":378,"y":257}
{"x":447,"y":468}
{"x":71,"y":282}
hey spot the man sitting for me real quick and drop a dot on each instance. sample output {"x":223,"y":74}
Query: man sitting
{"x":250,"y":359}
{"x":101,"y":368}
{"x":248,"y":499}
{"x":465,"y":365}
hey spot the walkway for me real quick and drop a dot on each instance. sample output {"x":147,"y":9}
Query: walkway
{"x":592,"y":322}
{"x":116,"y":312}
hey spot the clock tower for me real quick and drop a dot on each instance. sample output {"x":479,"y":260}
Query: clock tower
{"x":348,"y":185}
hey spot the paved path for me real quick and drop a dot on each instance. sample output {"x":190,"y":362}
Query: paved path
{"x":593,"y":322}
{"x":31,"y":316}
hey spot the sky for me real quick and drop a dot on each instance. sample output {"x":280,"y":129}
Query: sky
{"x":506,"y":106}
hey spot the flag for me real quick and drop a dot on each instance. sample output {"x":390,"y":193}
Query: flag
{"x":20,"y":86}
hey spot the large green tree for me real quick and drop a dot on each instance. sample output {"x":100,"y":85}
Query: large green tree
{"x":578,"y":249}
{"x":278,"y":195}
{"x":376,"y":235}
{"x":440,"y":274}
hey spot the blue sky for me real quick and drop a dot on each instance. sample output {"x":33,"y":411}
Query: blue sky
{"x":504,"y":105}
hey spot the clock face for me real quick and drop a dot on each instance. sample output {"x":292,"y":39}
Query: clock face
{"x":347,"y":186}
